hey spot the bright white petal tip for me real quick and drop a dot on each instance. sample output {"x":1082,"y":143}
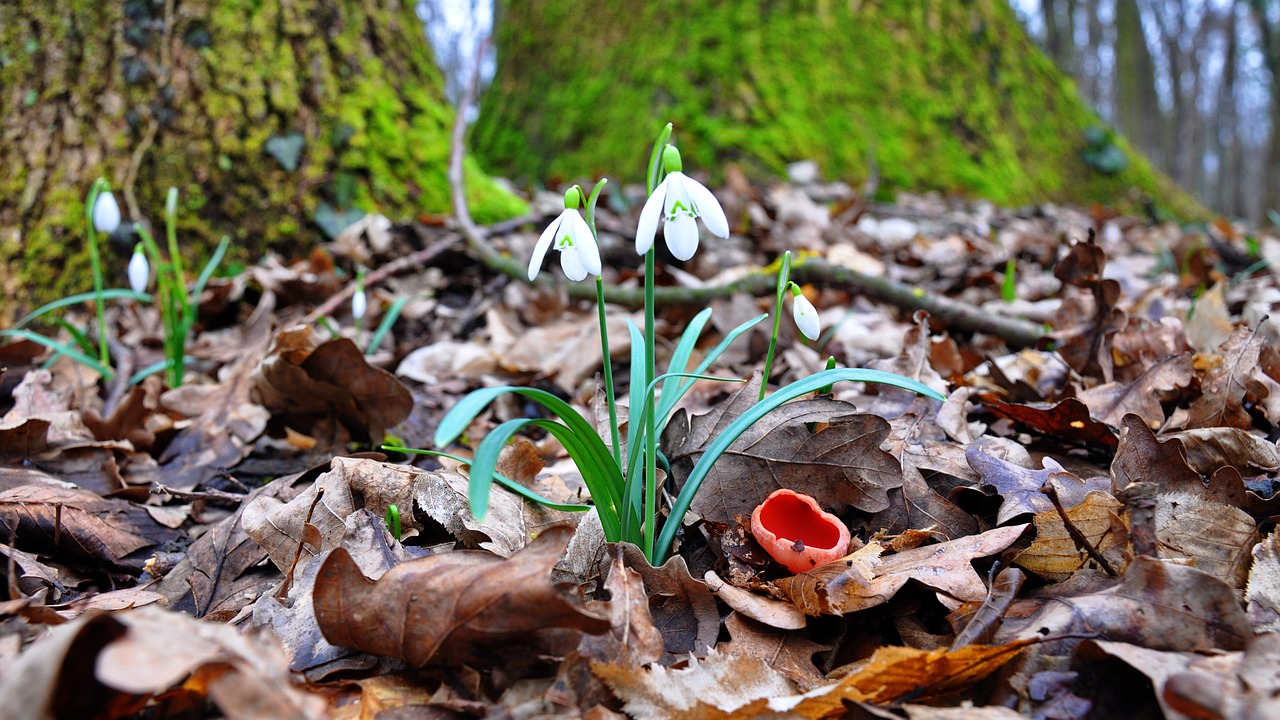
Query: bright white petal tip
{"x":708,"y":208}
{"x":648,"y":226}
{"x":139,"y":272}
{"x":682,"y":236}
{"x":106,"y":213}
{"x":359,"y":303}
{"x":806,"y":317}
{"x":540,"y":248}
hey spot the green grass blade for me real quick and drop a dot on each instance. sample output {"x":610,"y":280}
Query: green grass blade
{"x":667,"y":403}
{"x":684,"y":349}
{"x":56,"y":346}
{"x":149,"y":370}
{"x":77,"y":335}
{"x":68,"y":301}
{"x":209,"y":268}
{"x":384,"y":327}
{"x":751,"y":417}
{"x":505,"y":481}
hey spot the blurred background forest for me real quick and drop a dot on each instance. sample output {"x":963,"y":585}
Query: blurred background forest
{"x":1193,"y":84}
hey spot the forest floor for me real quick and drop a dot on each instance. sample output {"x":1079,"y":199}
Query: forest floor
{"x":1081,"y":529}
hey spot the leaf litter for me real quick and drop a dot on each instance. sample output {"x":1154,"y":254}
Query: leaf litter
{"x":1077,"y":515}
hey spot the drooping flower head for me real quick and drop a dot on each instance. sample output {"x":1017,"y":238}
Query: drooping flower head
{"x":106,"y":213}
{"x":579,"y":255}
{"x":139,"y":270}
{"x":679,"y":199}
{"x":359,"y":300}
{"x":805,"y":314}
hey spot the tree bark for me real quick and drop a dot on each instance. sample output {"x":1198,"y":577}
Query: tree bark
{"x":940,"y":95}
{"x":259,"y":113}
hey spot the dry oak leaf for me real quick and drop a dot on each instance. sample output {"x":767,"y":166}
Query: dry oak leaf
{"x":1068,"y":421}
{"x":304,"y":379}
{"x":1140,"y":457}
{"x":1248,"y":365}
{"x":450,"y":607}
{"x":713,"y":687}
{"x":683,"y":608}
{"x":1263,"y":590}
{"x":790,"y":653}
{"x":1054,"y":554}
{"x":81,"y":524}
{"x":863,"y":581}
{"x":1236,"y":685}
{"x":1209,"y":449}
{"x":1020,"y":486}
{"x":1216,"y":538}
{"x":633,"y":639}
{"x":1155,"y":603}
{"x":125,"y":661}
{"x":839,"y":464}
{"x":765,"y":610}
{"x":1110,"y":402}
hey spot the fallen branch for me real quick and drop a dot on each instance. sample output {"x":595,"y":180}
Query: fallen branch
{"x":959,"y":316}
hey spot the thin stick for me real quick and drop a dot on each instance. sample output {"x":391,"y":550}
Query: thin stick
{"x":1077,"y":537}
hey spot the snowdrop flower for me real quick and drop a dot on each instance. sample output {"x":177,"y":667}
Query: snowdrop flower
{"x":680,"y":199}
{"x":139,"y":270}
{"x":805,"y":314}
{"x":106,"y":213}
{"x":359,"y":303}
{"x":579,"y":255}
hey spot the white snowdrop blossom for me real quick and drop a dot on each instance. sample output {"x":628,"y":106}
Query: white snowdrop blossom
{"x":679,"y":199}
{"x":139,"y":270}
{"x":106,"y":213}
{"x":805,"y":314}
{"x":359,"y":304}
{"x":579,"y":255}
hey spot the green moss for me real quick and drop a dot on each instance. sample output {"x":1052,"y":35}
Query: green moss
{"x":938,"y":95}
{"x":354,"y":77}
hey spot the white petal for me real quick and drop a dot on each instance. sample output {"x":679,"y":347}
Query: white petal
{"x":806,"y":317}
{"x":139,"y":272}
{"x":648,"y":226}
{"x":678,"y":201}
{"x":106,"y":213}
{"x":585,"y":244}
{"x":540,"y":248}
{"x":571,"y":262}
{"x":359,"y":303}
{"x":708,"y":208}
{"x":682,"y":236}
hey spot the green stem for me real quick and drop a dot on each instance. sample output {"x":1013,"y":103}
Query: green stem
{"x":784,"y":275}
{"x":650,"y":425}
{"x":104,"y":356}
{"x":608,"y":373}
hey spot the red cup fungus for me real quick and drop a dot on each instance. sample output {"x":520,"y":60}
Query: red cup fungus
{"x":796,"y":532}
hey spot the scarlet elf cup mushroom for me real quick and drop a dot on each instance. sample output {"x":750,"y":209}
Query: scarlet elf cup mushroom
{"x":797,"y":532}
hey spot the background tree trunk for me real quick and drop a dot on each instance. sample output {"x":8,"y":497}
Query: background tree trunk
{"x":261,"y":114}
{"x":942,"y":95}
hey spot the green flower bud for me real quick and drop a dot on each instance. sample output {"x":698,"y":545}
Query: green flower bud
{"x":671,"y":159}
{"x":572,"y":198}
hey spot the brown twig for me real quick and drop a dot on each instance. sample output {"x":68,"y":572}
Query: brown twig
{"x":1077,"y":537}
{"x":394,"y":267}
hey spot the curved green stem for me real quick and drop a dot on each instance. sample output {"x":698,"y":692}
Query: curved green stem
{"x":784,"y":275}
{"x":95,"y":260}
{"x":608,"y":373}
{"x":650,"y":424}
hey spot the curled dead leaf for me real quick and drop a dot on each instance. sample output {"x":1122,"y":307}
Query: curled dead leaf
{"x":452,"y":606}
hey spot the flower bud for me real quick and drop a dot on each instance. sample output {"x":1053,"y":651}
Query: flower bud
{"x":106,"y":213}
{"x":359,"y":303}
{"x":139,"y":270}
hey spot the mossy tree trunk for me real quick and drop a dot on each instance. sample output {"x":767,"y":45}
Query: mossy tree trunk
{"x":933,"y":94}
{"x":259,"y":113}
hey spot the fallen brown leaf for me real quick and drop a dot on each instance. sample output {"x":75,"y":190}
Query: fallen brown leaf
{"x":1247,"y":359}
{"x":1054,"y":554}
{"x":459,"y":604}
{"x":1020,"y":486}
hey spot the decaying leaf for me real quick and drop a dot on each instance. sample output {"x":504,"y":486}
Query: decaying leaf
{"x":1263,"y":589}
{"x":790,"y":653}
{"x":1110,"y":402}
{"x":129,"y":660}
{"x":864,"y":581}
{"x":450,"y":607}
{"x":80,"y":524}
{"x":1140,"y":457}
{"x":683,"y":609}
{"x":1156,"y":604}
{"x":305,"y":380}
{"x":763,"y":609}
{"x":1068,"y":420}
{"x":1215,"y":537}
{"x":838,"y":463}
{"x":1209,"y":449}
{"x":1020,"y":486}
{"x":1055,"y":555}
{"x":713,"y":687}
{"x":1248,"y":363}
